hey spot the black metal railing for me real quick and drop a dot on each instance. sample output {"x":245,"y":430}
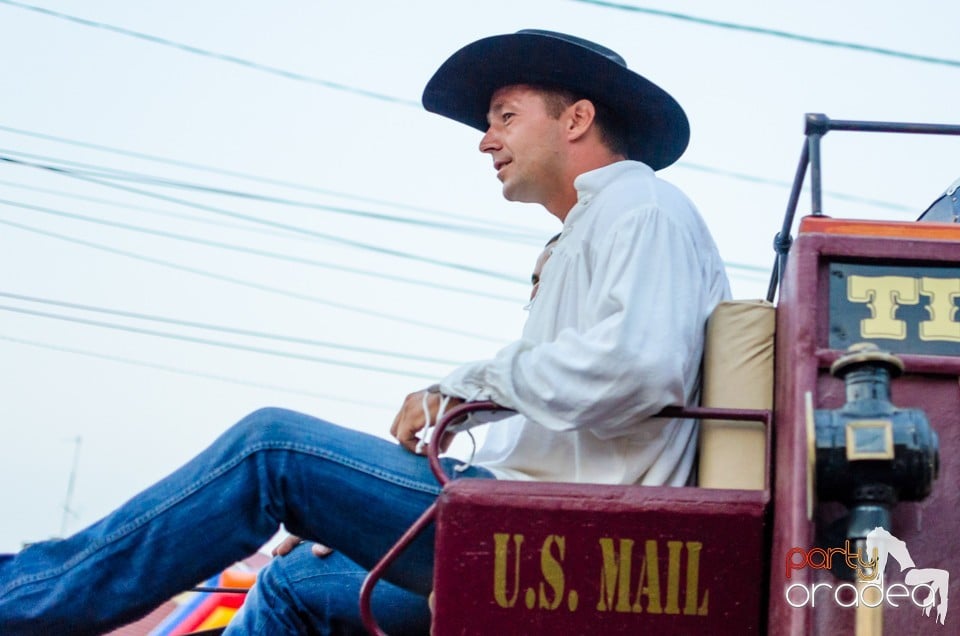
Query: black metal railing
{"x":816,"y":126}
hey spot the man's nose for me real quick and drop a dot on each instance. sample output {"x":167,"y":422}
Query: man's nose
{"x":489,"y":142}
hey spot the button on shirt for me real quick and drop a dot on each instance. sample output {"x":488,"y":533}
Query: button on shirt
{"x":614,"y":334}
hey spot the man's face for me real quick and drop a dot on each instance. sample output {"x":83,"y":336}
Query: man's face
{"x":525,"y":144}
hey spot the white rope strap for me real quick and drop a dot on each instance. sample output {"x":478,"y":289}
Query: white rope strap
{"x":427,"y":434}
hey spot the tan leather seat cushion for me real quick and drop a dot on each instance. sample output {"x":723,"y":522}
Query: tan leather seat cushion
{"x":737,"y":373}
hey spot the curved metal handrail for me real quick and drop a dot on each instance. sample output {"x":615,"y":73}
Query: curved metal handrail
{"x":454,"y":415}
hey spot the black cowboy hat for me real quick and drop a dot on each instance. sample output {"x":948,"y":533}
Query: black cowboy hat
{"x":656,"y":126}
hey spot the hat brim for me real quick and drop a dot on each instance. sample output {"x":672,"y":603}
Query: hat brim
{"x":656,"y":126}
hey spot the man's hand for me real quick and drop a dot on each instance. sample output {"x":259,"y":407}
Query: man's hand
{"x":288,"y":544}
{"x":410,"y":421}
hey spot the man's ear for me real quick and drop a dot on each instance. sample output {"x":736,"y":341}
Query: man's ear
{"x":580,"y":116}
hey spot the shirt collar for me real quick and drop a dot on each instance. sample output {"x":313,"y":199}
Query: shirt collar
{"x":590,"y":183}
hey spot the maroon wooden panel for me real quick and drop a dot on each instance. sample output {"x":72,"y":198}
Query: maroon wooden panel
{"x":930,"y":382}
{"x":542,"y":558}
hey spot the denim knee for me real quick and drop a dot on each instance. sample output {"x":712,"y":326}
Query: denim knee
{"x":266,"y":426}
{"x":304,"y":593}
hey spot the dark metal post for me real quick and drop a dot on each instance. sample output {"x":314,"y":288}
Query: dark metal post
{"x":817,"y":126}
{"x":782,"y":241}
{"x":816,"y":192}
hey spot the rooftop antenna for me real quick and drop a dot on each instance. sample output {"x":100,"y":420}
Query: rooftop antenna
{"x":67,"y":510}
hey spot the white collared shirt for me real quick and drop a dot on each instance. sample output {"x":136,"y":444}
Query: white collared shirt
{"x":614,"y":334}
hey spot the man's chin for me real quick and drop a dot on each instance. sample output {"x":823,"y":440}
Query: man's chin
{"x":517,"y":195}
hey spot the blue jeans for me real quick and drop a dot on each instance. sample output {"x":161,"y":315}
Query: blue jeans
{"x":353,"y":492}
{"x":302,"y":594}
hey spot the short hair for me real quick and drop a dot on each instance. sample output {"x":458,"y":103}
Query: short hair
{"x":612,"y":131}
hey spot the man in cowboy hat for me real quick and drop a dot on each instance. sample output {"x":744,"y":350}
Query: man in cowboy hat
{"x":615,"y":331}
{"x":614,"y":334}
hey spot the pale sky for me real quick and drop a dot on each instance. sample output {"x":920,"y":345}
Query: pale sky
{"x":366,"y":237}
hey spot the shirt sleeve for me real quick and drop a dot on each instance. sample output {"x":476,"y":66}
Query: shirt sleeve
{"x":639,"y":349}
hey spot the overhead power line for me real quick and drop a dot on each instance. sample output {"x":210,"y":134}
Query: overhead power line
{"x":88,"y":171}
{"x":101,"y":172}
{"x":217,"y":343}
{"x":226,"y":329}
{"x":126,"y":205}
{"x":275,"y":224}
{"x":518,"y":230}
{"x":864,"y":48}
{"x":279,"y":256}
{"x":519,"y":234}
{"x":722,"y":172}
{"x":108,"y":173}
{"x":854,"y":198}
{"x":249,"y":284}
{"x":232,"y":59}
{"x":929,"y":59}
{"x":312,"y":262}
{"x":197,"y":374}
{"x":445,"y":214}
